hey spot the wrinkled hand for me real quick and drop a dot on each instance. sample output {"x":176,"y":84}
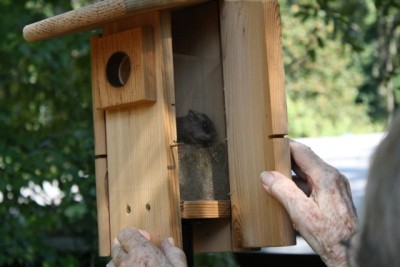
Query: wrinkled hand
{"x":325,"y":216}
{"x":133,"y":249}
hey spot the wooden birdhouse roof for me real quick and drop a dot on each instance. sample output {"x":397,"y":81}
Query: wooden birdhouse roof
{"x":95,"y":15}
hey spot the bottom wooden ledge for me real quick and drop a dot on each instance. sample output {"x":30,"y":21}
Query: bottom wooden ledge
{"x":206,"y":209}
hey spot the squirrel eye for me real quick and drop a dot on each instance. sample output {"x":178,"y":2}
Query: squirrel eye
{"x":204,"y":126}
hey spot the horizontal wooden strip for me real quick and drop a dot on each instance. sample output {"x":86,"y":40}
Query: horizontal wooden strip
{"x":206,"y":209}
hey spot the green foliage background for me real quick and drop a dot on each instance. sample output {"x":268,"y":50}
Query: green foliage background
{"x":342,"y":75}
{"x":342,"y":65}
{"x":46,"y":135}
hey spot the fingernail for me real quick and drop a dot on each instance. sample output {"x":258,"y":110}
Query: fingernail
{"x":171,"y":241}
{"x":266,"y":178}
{"x":144,"y":233}
{"x":115,"y":242}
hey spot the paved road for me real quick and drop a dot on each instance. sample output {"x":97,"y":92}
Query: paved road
{"x":351,"y":155}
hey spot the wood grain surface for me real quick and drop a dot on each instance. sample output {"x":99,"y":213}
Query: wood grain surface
{"x":256,"y":120}
{"x":96,"y":15}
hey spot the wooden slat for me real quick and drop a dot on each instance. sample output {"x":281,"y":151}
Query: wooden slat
{"x":100,"y":147}
{"x":170,"y":124}
{"x":256,"y":112}
{"x":205,"y":209}
{"x":96,"y":15}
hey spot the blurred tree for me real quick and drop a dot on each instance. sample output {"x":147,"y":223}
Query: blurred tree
{"x":322,"y":74}
{"x":384,"y":64}
{"x":47,"y":190}
{"x":368,"y":32}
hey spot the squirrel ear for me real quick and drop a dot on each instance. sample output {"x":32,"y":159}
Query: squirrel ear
{"x":191,"y":113}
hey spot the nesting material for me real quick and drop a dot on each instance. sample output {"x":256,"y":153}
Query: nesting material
{"x":203,"y":172}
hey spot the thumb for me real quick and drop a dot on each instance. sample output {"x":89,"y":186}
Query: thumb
{"x":174,"y":255}
{"x":132,"y":238}
{"x":277,"y":185}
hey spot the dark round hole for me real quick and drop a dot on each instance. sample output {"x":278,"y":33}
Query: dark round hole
{"x":118,"y":69}
{"x":148,"y":207}
{"x":128,"y":209}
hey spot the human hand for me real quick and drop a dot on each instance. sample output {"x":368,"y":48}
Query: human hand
{"x":133,"y":248}
{"x":326,"y":215}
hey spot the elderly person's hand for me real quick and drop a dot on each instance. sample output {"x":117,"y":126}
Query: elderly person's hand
{"x":323,"y":211}
{"x":133,"y":248}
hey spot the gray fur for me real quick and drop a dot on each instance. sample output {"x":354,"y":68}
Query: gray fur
{"x":196,"y":129}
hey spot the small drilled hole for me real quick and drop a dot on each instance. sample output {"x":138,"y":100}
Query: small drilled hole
{"x":148,"y":207}
{"x":128,"y":209}
{"x":118,"y":69}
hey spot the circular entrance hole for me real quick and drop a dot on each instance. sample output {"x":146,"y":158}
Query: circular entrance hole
{"x":118,"y":69}
{"x":128,"y":209}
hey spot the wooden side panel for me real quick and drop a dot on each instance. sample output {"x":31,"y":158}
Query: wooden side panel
{"x":170,"y":125}
{"x":142,"y":179}
{"x":103,"y":213}
{"x":256,"y":113}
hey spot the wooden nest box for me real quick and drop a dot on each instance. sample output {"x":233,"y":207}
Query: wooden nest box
{"x":189,"y":109}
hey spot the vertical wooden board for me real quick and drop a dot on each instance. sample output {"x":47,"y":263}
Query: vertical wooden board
{"x":100,"y":150}
{"x":252,"y":50}
{"x":167,"y":69}
{"x":142,"y":180}
{"x":103,"y":213}
{"x":275,"y":68}
{"x":137,"y":169}
{"x":256,"y":112}
{"x":279,"y":222}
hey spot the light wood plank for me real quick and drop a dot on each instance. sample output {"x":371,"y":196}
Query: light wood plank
{"x":170,"y":125}
{"x":142,"y":185}
{"x":256,"y":112}
{"x":100,"y":151}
